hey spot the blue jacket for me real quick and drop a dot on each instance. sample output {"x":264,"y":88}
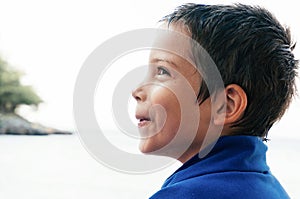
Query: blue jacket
{"x":235,"y":168}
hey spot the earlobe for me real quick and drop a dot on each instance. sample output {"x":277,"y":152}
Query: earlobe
{"x":231,"y":108}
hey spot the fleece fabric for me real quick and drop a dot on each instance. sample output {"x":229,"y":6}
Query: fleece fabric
{"x":235,"y":168}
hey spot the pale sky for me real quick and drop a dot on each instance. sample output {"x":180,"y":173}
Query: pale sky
{"x":49,"y":41}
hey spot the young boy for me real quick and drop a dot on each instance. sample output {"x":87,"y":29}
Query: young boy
{"x":253,"y":54}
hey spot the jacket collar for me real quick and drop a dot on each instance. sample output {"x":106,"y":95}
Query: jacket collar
{"x":230,"y":153}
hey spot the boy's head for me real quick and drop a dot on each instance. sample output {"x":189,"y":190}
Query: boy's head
{"x":251,"y":49}
{"x":253,"y":54}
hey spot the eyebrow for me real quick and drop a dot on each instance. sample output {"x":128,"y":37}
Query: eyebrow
{"x":155,"y":60}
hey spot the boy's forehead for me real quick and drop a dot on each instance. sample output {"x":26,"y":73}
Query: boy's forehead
{"x":173,"y":43}
{"x":173,"y":37}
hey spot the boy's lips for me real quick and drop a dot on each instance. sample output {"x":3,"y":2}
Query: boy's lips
{"x":143,"y":120}
{"x":143,"y":123}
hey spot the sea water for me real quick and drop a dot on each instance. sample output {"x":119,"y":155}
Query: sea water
{"x":59,"y":167}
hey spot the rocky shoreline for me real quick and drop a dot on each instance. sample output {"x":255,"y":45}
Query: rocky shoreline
{"x":13,"y":124}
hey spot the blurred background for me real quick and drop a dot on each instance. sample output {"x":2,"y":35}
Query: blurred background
{"x":49,"y":41}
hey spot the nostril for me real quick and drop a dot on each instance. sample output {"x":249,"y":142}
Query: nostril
{"x":137,"y":98}
{"x":137,"y":94}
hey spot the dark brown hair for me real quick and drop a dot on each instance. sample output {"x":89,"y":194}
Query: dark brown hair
{"x":251,"y":49}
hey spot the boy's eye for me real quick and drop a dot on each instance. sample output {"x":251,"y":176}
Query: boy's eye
{"x":162,"y":71}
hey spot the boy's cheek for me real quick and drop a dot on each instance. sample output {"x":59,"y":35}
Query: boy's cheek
{"x":166,"y":99}
{"x":168,"y":111}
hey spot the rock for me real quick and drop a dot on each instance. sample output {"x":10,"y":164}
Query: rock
{"x":11,"y":123}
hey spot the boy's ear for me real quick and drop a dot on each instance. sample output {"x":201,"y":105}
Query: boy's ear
{"x":230,"y":109}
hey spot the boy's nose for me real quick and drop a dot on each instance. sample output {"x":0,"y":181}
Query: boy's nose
{"x":139,"y":94}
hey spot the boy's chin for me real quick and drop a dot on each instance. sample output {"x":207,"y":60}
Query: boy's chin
{"x":145,"y":147}
{"x":148,"y":148}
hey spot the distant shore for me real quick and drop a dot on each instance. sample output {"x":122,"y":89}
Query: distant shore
{"x":14,"y":124}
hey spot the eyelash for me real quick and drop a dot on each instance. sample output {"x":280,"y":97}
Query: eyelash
{"x":162,"y":71}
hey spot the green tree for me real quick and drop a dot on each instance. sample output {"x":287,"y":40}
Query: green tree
{"x":12,"y":92}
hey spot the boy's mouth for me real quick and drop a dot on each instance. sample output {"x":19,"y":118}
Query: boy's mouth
{"x":143,"y":121}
